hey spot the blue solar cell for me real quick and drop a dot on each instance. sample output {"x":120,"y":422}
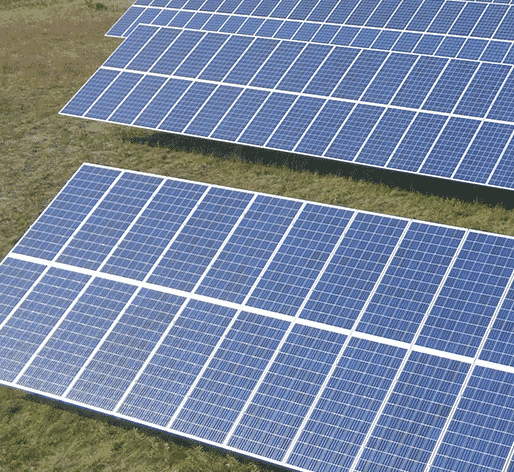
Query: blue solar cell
{"x":509,"y":58}
{"x":246,"y":7}
{"x":27,"y":328}
{"x":123,"y":353}
{"x":177,"y":52}
{"x":362,"y":12}
{"x":114,"y":95}
{"x":159,"y":3}
{"x":193,"y":4}
{"x":341,"y":418}
{"x":240,"y":114}
{"x":125,"y":21}
{"x":495,"y":51}
{"x":326,"y":33}
{"x":164,"y":17}
{"x":506,"y":28}
{"x":484,"y":416}
{"x":503,"y":106}
{"x":385,"y":137}
{"x":211,"y":5}
{"x":354,"y":132}
{"x":252,"y":244}
{"x":407,"y":42}
{"x":287,"y":30}
{"x":46,"y":237}
{"x":424,"y":15}
{"x":181,"y":19}
{"x":295,"y":123}
{"x":137,"y":99}
{"x":178,"y":360}
{"x":468,"y":18}
{"x":345,"y":36}
{"x":418,"y":140}
{"x":250,"y":26}
{"x":403,"y":14}
{"x":176,"y":3}
{"x":340,"y":13}
{"x":386,"y":40}
{"x":450,"y":85}
{"x":195,"y":246}
{"x":69,"y":347}
{"x":277,"y":64}
{"x":347,"y":281}
{"x":140,"y":249}
{"x":360,"y":74}
{"x":147,"y":17}
{"x":450,"y":47}
{"x":322,"y":10}
{"x":187,"y":107}
{"x":269,"y":28}
{"x":404,"y":294}
{"x":446,"y":17}
{"x":499,"y":345}
{"x":143,"y":2}
{"x":264,"y":8}
{"x":16,"y":277}
{"x":419,"y":82}
{"x":213,"y":111}
{"x":489,"y":21}
{"x":329,"y":74}
{"x":277,"y":410}
{"x":453,"y":142}
{"x":428,"y":44}
{"x":302,"y":10}
{"x":382,"y":13}
{"x":215,"y":23}
{"x":201,"y":55}
{"x":198,"y":20}
{"x":232,"y":24}
{"x":161,"y":104}
{"x":415,"y":414}
{"x":387,"y":81}
{"x":92,"y":89}
{"x":484,"y":152}
{"x":364,"y":39}
{"x":225,"y":59}
{"x":482,"y":90}
{"x":251,"y":61}
{"x":229,"y":6}
{"x":324,"y":127}
{"x":266,"y":119}
{"x":304,"y":67}
{"x":102,"y":230}
{"x":284,"y":8}
{"x":472,"y":49}
{"x":306,"y":31}
{"x":299,"y":259}
{"x":470,"y":295}
{"x":221,"y":393}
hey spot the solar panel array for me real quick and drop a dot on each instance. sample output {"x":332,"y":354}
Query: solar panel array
{"x":311,"y":336}
{"x":424,"y":87}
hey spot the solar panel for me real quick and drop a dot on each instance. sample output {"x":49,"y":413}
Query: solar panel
{"x":423,"y":87}
{"x":310,"y":336}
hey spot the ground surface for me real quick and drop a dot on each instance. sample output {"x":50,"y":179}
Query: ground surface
{"x":47,"y":51}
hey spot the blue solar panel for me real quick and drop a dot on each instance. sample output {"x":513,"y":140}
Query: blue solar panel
{"x":314,"y":337}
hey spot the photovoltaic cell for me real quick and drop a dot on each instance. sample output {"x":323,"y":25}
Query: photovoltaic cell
{"x":314,"y":337}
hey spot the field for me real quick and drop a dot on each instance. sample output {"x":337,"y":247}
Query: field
{"x":47,"y":51}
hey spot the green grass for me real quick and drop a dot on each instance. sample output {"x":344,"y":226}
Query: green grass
{"x":48,"y":49}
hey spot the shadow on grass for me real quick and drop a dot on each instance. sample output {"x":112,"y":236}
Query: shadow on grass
{"x":128,"y":425}
{"x":425,"y":185}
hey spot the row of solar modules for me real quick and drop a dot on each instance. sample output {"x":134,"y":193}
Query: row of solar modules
{"x":426,"y":44}
{"x":261,"y":385}
{"x":294,"y":244}
{"x":457,"y":18}
{"x":396,"y":138}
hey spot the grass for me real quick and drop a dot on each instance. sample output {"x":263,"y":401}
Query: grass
{"x":48,"y":49}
